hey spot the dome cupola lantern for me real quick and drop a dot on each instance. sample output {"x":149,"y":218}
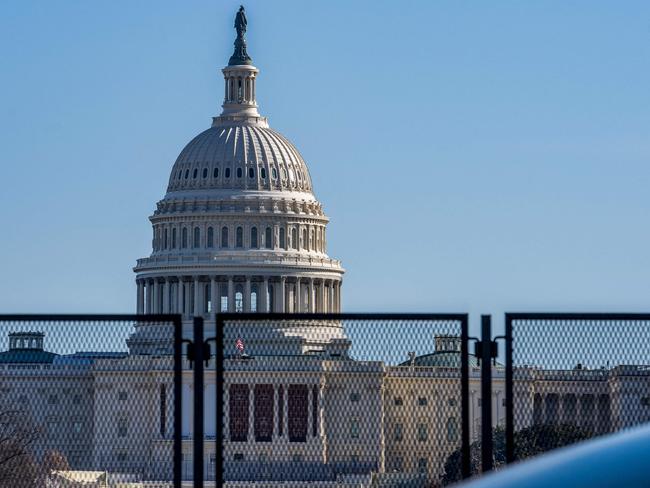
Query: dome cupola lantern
{"x":239,"y":98}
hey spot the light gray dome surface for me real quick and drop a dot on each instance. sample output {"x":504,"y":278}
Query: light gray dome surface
{"x":242,"y":157}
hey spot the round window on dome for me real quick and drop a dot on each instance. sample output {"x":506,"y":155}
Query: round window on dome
{"x":195,"y":173}
{"x":251,"y":173}
{"x":227,"y":172}
{"x":205,"y":172}
{"x":216,"y":173}
{"x":187,"y":173}
{"x":239,"y":172}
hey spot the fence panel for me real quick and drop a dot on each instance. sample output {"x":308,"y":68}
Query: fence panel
{"x":570,"y":377}
{"x":341,"y":399}
{"x":90,"y":400}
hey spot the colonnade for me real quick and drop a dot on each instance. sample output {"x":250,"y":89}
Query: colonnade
{"x":208,"y":294}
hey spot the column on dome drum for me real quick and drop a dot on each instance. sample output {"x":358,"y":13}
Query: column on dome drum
{"x":343,"y":398}
{"x":91,"y":399}
{"x":572,"y":377}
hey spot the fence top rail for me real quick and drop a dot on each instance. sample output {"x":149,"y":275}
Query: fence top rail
{"x":45,"y":317}
{"x":575,"y":316}
{"x":253,"y":316}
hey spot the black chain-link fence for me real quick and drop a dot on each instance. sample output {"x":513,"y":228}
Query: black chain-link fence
{"x":341,"y":399}
{"x":571,"y":377}
{"x":89,"y":400}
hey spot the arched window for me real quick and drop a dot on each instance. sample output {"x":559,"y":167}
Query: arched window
{"x":197,"y":237}
{"x":268,"y":238}
{"x":195,"y":173}
{"x":205,"y":172}
{"x":239,"y":173}
{"x":174,"y":238}
{"x":210,"y":237}
{"x":239,"y":237}
{"x":180,"y":174}
{"x":263,"y":173}
{"x":227,"y":172}
{"x":165,"y":241}
{"x":452,"y":429}
{"x":274,"y":173}
{"x":239,"y":298}
{"x":294,"y":238}
{"x":184,"y":238}
{"x":224,"y":236}
{"x":251,"y":173}
{"x":187,"y":173}
{"x":254,"y":237}
{"x":215,"y":173}
{"x":305,"y":241}
{"x":254,"y":295}
{"x":283,"y":243}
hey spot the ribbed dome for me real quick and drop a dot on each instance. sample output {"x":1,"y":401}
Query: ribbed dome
{"x":249,"y":157}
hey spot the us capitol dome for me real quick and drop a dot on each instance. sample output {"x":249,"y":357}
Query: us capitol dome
{"x":239,"y":228}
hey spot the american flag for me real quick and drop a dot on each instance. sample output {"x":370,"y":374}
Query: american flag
{"x":239,"y":344}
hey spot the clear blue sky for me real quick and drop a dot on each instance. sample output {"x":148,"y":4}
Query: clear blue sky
{"x":472,"y":156}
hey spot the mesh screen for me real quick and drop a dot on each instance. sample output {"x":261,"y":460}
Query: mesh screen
{"x":86,"y":402}
{"x":341,"y":401}
{"x":575,"y":379}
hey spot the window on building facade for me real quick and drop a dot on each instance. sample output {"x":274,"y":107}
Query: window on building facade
{"x":280,"y":410}
{"x":122,"y":456}
{"x":184,"y":238}
{"x":215,"y":173}
{"x":195,"y":173}
{"x":314,"y":411}
{"x":298,"y":413}
{"x":263,"y":173}
{"x":165,"y":238}
{"x":187,"y":173}
{"x":452,"y":429}
{"x":224,"y":236}
{"x":239,"y":237}
{"x":174,"y":238}
{"x":355,"y":397}
{"x":645,"y":401}
{"x":263,"y":417}
{"x":239,"y":299}
{"x":210,"y":240}
{"x":238,"y":405}
{"x":163,"y":410}
{"x":205,"y":172}
{"x":251,"y":173}
{"x":398,"y":432}
{"x":239,"y":173}
{"x":294,"y":238}
{"x":254,"y":237}
{"x":451,"y":402}
{"x":197,"y":237}
{"x":238,"y":456}
{"x":77,"y":427}
{"x":283,"y":243}
{"x":122,"y":396}
{"x":224,"y":304}
{"x":227,"y":173}
{"x":422,"y":465}
{"x":268,"y":237}
{"x":53,"y":399}
{"x":398,"y":401}
{"x":423,"y":432}
{"x":422,"y":401}
{"x":354,"y":428}
{"x":122,"y":427}
{"x":254,"y":298}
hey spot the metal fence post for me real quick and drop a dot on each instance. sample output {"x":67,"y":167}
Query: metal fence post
{"x":466,"y":467}
{"x":486,"y":393}
{"x":219,"y":374}
{"x":510,"y":401}
{"x":198,"y":402}
{"x":178,"y":401}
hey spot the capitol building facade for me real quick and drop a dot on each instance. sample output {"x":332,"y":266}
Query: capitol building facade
{"x":240,"y":230}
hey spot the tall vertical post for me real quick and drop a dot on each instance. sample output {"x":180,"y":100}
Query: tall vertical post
{"x":510,"y":422}
{"x":178,"y":400}
{"x":466,"y":469}
{"x":219,"y":376}
{"x":486,"y":393}
{"x":198,"y":402}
